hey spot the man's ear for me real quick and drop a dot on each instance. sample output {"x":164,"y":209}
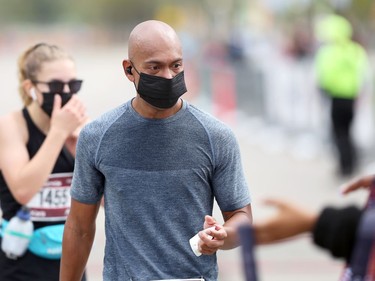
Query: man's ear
{"x":128,"y":69}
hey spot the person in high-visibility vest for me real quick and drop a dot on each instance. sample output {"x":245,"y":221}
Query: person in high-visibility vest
{"x":340,"y":68}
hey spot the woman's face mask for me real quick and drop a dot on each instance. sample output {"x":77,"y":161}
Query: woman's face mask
{"x":48,"y":99}
{"x":159,"y":91}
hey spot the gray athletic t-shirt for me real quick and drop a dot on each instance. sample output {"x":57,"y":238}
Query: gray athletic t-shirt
{"x":159,"y":178}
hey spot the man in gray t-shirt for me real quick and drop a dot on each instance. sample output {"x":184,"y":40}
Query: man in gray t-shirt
{"x":160,"y":164}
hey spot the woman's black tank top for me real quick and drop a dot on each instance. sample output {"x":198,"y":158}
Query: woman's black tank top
{"x":64,"y":164}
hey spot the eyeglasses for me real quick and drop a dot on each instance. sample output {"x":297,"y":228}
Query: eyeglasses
{"x":57,"y":86}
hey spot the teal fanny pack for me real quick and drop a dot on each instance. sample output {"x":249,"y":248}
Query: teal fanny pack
{"x":46,"y":242}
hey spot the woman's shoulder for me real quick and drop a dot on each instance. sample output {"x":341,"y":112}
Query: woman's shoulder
{"x":13,"y":125}
{"x":11,"y":119}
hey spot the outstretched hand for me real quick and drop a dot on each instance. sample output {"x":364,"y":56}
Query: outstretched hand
{"x":289,"y":220}
{"x":357,"y":183}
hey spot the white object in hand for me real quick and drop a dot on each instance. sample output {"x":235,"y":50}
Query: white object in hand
{"x":194,"y":242}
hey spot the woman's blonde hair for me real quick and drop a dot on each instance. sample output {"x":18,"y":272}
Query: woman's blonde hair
{"x":30,"y":63}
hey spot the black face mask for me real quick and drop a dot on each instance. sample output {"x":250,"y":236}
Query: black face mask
{"x":159,"y":91}
{"x":48,"y":99}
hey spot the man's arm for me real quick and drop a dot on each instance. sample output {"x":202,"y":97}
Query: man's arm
{"x":232,"y":221}
{"x":78,"y":237}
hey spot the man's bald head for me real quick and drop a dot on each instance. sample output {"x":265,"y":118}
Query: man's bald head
{"x":151,"y":36}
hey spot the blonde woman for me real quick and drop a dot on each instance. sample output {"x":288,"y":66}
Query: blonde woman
{"x":37,"y":154}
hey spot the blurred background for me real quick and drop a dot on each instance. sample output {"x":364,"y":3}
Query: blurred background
{"x":248,"y":62}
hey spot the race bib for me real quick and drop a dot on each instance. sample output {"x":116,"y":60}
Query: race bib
{"x":52,"y":202}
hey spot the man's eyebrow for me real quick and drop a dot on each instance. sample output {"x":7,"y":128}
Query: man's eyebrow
{"x":153,"y":62}
{"x":161,"y":62}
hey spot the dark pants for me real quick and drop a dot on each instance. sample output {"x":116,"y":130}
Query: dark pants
{"x":342,"y":113}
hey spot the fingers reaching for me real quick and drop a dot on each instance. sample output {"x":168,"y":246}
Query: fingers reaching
{"x":357,"y":183}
